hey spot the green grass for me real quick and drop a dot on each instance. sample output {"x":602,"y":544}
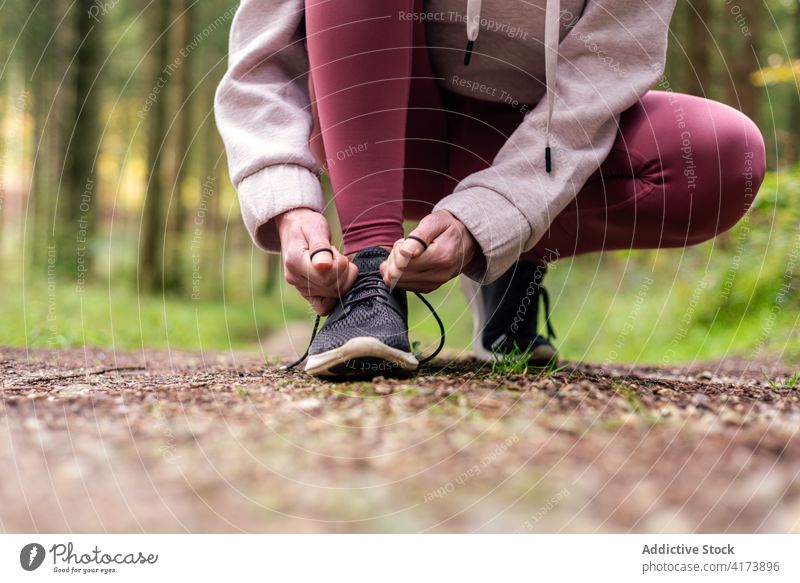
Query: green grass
{"x":791,"y":382}
{"x":595,"y":310}
{"x":736,"y":295}
{"x":118,"y":318}
{"x":57,"y":316}
{"x":514,"y":362}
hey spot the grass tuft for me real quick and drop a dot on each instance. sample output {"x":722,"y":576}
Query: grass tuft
{"x":514,"y":362}
{"x":792,"y":383}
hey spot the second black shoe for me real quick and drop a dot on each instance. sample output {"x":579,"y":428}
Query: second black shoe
{"x":366,"y":334}
{"x":505,"y":315}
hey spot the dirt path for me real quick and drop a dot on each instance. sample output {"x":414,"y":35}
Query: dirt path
{"x":96,"y":441}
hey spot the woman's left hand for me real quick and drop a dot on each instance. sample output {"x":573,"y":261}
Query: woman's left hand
{"x":450,"y":249}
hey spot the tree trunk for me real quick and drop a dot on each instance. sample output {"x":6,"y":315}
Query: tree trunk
{"x":181,"y":82}
{"x":151,"y":271}
{"x":698,"y":71}
{"x":675,"y":71}
{"x":211,"y":188}
{"x":34,"y":99}
{"x":745,"y":20}
{"x":794,"y":92}
{"x":78,"y":204}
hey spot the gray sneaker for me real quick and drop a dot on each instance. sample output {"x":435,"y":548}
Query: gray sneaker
{"x":366,"y":334}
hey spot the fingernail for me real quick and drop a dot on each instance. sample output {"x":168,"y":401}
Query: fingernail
{"x":409,"y":246}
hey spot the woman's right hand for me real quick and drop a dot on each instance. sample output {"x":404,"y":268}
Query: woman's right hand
{"x":323,"y":278}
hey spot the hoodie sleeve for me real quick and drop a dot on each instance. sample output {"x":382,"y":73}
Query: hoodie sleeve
{"x":615,"y":52}
{"x":262,"y":112}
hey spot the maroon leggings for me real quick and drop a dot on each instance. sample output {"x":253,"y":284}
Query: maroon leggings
{"x":682,"y":170}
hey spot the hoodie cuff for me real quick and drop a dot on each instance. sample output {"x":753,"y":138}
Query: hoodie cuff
{"x":498,"y":226}
{"x":272,"y":191}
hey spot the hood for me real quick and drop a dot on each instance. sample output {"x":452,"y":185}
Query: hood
{"x":552,"y":26}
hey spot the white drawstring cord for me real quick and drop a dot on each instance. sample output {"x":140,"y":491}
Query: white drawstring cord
{"x":473,"y":27}
{"x":552,"y":31}
{"x":551,"y":39}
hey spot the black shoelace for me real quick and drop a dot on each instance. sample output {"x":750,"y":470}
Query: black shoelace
{"x":374,"y":287}
{"x":551,"y":333}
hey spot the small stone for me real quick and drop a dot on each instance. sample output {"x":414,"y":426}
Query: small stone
{"x":308,"y":404}
{"x":699,"y":399}
{"x":75,"y":390}
{"x":731,"y":417}
{"x":33,"y":424}
{"x":547,"y":385}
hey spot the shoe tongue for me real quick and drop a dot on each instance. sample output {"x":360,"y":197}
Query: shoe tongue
{"x":369,"y":260}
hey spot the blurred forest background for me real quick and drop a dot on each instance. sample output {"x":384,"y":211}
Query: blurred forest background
{"x":119,"y":227}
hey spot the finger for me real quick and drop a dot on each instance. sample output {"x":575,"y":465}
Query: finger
{"x":320,"y":305}
{"x":419,"y":280}
{"x":341,"y":276}
{"x":321,"y":258}
{"x":428,"y":230}
{"x":415,"y":245}
{"x":397,"y":257}
{"x":341,"y":266}
{"x":445,"y":256}
{"x":413,"y":280}
{"x":423,"y":287}
{"x":326,"y":306}
{"x":349,"y":279}
{"x":325,"y":267}
{"x":310,"y":289}
{"x":435,"y":261}
{"x":411,"y":247}
{"x":320,"y":250}
{"x":392,"y":273}
{"x":404,"y":252}
{"x":384,"y":269}
{"x":328,"y":285}
{"x":394,"y":265}
{"x":315,"y":302}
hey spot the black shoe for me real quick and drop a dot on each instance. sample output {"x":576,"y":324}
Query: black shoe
{"x":505,"y":315}
{"x":366,"y":334}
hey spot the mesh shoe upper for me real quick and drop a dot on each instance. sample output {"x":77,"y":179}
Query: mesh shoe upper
{"x":511,"y":305}
{"x":368,"y":309}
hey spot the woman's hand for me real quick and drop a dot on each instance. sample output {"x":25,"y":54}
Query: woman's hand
{"x":323,"y":278}
{"x":450,"y":248}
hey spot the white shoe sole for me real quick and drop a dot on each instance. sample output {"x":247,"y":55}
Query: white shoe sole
{"x":361,"y":356}
{"x":472,"y":291}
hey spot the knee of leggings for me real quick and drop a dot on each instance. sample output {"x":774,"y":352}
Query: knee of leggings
{"x":739,"y":152}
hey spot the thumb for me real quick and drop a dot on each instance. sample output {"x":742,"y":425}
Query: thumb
{"x":319,"y":249}
{"x":426,"y":232}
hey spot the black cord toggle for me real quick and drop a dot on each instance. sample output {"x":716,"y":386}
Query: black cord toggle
{"x":468,"y":54}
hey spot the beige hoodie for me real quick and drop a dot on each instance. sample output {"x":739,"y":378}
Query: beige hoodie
{"x":609,"y":53}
